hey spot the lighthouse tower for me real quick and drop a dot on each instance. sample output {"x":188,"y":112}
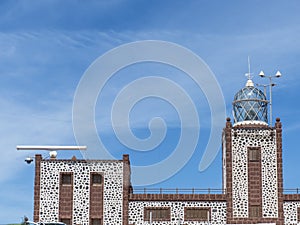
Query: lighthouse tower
{"x":252,"y":161}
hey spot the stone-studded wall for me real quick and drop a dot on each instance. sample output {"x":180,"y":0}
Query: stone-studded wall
{"x":112,"y":195}
{"x":241,"y":140}
{"x":290,"y":209}
{"x":136,"y":211}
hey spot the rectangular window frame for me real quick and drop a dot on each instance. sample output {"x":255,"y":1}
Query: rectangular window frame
{"x":255,"y":211}
{"x":205,"y":217}
{"x":254,"y":154}
{"x":93,"y":183}
{"x":63,"y":181}
{"x":157,"y":213}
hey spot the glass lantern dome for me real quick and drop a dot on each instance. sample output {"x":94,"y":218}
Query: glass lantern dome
{"x":250,"y":106}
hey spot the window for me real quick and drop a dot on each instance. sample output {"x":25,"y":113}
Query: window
{"x":66,"y":221}
{"x":199,"y":214}
{"x":66,"y":178}
{"x":254,"y":154}
{"x":96,"y":178}
{"x":157,"y":214}
{"x":255,"y":211}
{"x":95,"y":221}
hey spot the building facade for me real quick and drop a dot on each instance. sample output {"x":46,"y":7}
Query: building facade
{"x":99,"y":192}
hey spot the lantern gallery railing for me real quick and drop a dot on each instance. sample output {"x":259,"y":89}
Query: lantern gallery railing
{"x":195,"y":191}
{"x":178,"y":191}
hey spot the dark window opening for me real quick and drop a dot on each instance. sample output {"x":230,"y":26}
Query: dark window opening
{"x":255,"y":211}
{"x":200,"y":214}
{"x":157,"y":214}
{"x":66,"y":178}
{"x":66,"y":221}
{"x":95,"y":221}
{"x":96,"y":178}
{"x":254,"y":154}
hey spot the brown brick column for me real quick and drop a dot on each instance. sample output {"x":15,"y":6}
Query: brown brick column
{"x":278,"y":128}
{"x":96,"y":199}
{"x":126,"y":187}
{"x":255,"y":184}
{"x":66,"y":199}
{"x":228,"y":151}
{"x":37,"y":186}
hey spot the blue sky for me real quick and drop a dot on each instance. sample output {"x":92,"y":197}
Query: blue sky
{"x":46,"y":46}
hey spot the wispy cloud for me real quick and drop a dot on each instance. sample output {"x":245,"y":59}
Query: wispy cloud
{"x":24,"y":125}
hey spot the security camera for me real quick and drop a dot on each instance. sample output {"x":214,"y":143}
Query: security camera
{"x":28,"y":160}
{"x":53,"y":154}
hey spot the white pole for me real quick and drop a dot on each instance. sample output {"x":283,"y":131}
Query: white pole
{"x":271,"y":102}
{"x":207,"y":217}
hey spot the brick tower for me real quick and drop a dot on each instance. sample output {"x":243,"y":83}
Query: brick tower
{"x":252,"y":161}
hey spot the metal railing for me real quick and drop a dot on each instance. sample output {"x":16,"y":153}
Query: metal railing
{"x":196,"y":191}
{"x":291,"y":190}
{"x":178,"y":191}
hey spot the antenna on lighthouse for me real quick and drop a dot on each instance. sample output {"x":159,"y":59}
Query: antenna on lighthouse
{"x":249,"y":75}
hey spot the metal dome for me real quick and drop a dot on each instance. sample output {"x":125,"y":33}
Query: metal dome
{"x":250,"y":105}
